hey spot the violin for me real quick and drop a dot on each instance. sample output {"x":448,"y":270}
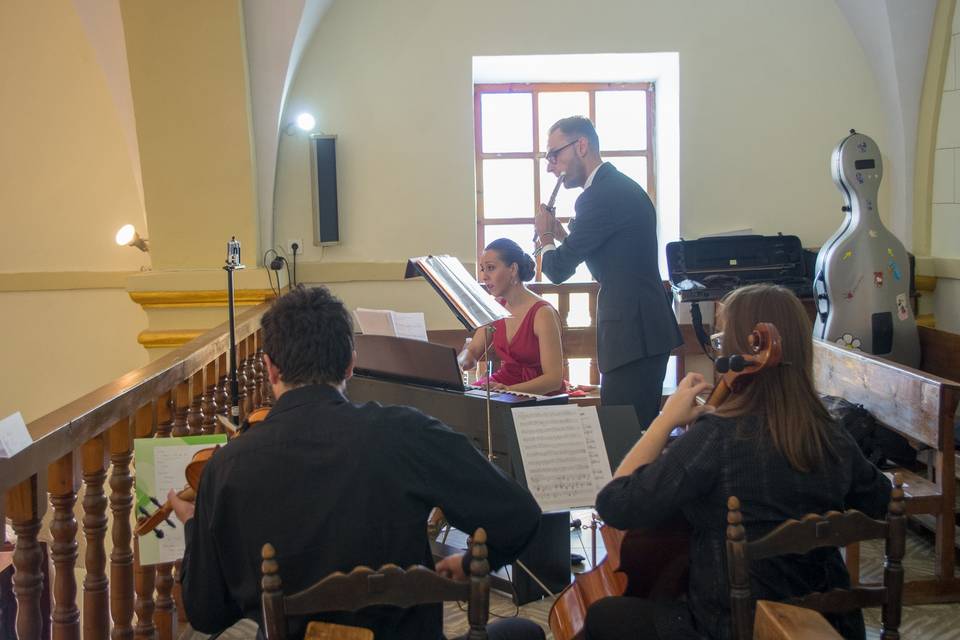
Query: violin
{"x":654,"y":563}
{"x":195,"y":469}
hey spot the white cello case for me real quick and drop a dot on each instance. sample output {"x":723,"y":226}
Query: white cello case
{"x":862,"y":283}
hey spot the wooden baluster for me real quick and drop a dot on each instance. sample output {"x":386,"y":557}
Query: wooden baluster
{"x":144,"y":577}
{"x":253,"y":391}
{"x":121,"y":504}
{"x":242,"y":380}
{"x":263,"y":384}
{"x":195,"y":410}
{"x":63,"y":551}
{"x":592,"y":307}
{"x":563,"y":309}
{"x":181,"y":396}
{"x":223,"y":389}
{"x":24,"y":508}
{"x":96,"y":609}
{"x":208,"y":401}
{"x":163,"y":615}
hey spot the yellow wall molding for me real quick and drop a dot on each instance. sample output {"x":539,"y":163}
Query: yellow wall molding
{"x":63,"y":280}
{"x":926,"y":283}
{"x":927,"y":122}
{"x":927,"y":320}
{"x":168,"y":338}
{"x":187,"y":299}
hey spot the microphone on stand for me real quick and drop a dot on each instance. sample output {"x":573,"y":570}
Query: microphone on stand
{"x":233,"y":264}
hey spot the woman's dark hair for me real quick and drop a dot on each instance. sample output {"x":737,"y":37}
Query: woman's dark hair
{"x":308,"y":334}
{"x":511,"y":253}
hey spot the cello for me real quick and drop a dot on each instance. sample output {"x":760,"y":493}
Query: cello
{"x":653,"y":562}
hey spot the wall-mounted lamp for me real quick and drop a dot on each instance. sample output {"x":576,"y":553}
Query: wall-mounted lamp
{"x":127,"y":236}
{"x":304,"y":122}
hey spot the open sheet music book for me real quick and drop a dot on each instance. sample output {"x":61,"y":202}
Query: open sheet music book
{"x":472,"y":305}
{"x":383,"y":322}
{"x":563,"y":455}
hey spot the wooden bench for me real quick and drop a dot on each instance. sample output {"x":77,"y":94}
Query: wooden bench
{"x":921,"y":407}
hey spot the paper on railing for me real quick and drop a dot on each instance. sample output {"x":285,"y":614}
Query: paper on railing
{"x":14,"y":436}
{"x":563,"y":454}
{"x":470,"y":302}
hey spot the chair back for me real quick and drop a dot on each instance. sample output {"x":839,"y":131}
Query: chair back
{"x":833,"y":529}
{"x":389,"y":585}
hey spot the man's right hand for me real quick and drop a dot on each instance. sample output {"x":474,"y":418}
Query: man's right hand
{"x":452,"y":567}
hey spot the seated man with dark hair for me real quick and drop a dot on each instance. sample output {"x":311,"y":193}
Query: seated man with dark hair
{"x":333,"y":485}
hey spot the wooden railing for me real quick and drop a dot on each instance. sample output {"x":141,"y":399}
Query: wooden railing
{"x":92,"y":438}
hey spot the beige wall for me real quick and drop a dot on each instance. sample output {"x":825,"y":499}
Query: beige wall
{"x":66,"y":185}
{"x":766,"y":91}
{"x":66,"y":180}
{"x":59,"y":345}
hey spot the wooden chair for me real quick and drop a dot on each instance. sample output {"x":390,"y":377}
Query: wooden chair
{"x":389,"y":585}
{"x":833,"y":529}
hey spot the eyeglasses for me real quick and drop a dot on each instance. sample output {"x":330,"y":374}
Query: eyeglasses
{"x":551,"y":156}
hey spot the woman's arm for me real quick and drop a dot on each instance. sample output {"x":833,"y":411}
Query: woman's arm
{"x":680,"y":409}
{"x":472,"y":351}
{"x":546,"y":326}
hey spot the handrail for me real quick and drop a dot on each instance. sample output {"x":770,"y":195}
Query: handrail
{"x":67,"y":428}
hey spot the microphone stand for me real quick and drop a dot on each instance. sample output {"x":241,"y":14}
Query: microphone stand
{"x":233,"y":264}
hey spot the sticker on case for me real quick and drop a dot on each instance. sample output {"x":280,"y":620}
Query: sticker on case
{"x":849,"y":341}
{"x":846,"y":255}
{"x":878,"y":278}
{"x":903,"y":310}
{"x":894,"y":269}
{"x":872,"y":233}
{"x":849,"y":294}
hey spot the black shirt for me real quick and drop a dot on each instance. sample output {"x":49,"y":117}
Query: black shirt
{"x":332,"y":485}
{"x":722,"y":457}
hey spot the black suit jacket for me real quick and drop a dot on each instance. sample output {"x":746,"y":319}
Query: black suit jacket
{"x":615,"y":232}
{"x":333,"y":485}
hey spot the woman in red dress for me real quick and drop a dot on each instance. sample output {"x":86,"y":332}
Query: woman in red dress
{"x":528,"y":343}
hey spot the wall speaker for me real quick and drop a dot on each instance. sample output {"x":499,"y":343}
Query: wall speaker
{"x":323,"y":165}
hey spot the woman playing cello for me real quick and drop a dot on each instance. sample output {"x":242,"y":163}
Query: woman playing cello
{"x":774,"y":446}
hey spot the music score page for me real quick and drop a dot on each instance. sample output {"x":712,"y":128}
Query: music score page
{"x":563,"y":453}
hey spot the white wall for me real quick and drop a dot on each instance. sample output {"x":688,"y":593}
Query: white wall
{"x":766,"y":91}
{"x":945,"y":232}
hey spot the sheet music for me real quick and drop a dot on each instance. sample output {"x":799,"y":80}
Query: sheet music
{"x":459,"y":289}
{"x":564,"y":457}
{"x":410,"y":325}
{"x":160,"y":464}
{"x":14,"y":436}
{"x":375,"y":322}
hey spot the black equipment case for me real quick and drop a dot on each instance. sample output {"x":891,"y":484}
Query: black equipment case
{"x":709,"y":268}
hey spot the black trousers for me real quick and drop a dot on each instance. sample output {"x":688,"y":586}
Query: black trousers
{"x":639,"y":383}
{"x":514,"y":629}
{"x":626,"y":618}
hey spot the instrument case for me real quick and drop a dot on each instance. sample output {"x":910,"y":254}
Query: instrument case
{"x":709,"y":268}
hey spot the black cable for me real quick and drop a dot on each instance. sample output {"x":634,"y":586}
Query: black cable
{"x":276,"y":292}
{"x":289,"y":280}
{"x":295,"y":248}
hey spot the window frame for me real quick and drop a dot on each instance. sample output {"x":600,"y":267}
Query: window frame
{"x":591,"y":88}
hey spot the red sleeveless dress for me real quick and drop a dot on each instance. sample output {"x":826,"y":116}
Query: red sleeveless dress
{"x":520,"y":356}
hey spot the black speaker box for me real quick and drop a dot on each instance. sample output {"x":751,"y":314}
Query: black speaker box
{"x":323,"y":164}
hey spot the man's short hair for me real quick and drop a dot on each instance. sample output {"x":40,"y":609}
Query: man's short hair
{"x":308,"y":334}
{"x":577,"y":126}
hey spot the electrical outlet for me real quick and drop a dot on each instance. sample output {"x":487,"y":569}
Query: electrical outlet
{"x":295,"y":241}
